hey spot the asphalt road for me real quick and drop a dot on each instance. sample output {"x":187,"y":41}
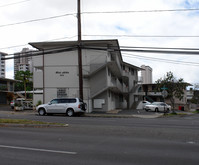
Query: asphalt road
{"x":107,"y":141}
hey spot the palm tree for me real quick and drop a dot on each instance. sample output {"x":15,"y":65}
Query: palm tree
{"x":25,"y":77}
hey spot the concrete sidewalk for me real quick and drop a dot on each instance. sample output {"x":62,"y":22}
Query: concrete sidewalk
{"x":125,"y":114}
{"x":134,"y":113}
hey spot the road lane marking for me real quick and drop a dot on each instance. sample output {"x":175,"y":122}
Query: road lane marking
{"x":38,"y":149}
{"x":190,"y":142}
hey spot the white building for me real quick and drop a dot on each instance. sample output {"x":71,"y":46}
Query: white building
{"x":2,"y":65}
{"x":23,"y":63}
{"x":108,"y":82}
{"x":146,"y":74}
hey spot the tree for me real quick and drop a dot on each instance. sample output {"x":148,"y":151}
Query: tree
{"x":175,"y":87}
{"x":10,"y":96}
{"x":25,"y":77}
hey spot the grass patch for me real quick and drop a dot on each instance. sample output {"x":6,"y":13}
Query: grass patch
{"x":170,"y":114}
{"x":175,"y":114}
{"x":24,"y":121}
{"x":196,"y":111}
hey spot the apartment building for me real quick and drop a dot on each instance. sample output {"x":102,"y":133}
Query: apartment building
{"x":23,"y":63}
{"x":146,"y":74}
{"x":2,"y":65}
{"x":108,"y":82}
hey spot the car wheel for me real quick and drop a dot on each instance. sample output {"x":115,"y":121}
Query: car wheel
{"x":42,"y":112}
{"x":146,"y":110}
{"x":70,"y":112}
{"x":156,"y":110}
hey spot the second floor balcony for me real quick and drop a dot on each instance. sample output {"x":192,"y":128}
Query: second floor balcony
{"x":117,"y":86}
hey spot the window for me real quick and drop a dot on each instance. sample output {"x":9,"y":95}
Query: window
{"x":72,"y":100}
{"x":63,"y":101}
{"x":55,"y":101}
{"x":11,"y":86}
{"x":121,"y":99}
{"x":67,"y":100}
{"x":132,"y":71}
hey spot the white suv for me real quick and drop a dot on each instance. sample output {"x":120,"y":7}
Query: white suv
{"x":68,"y":106}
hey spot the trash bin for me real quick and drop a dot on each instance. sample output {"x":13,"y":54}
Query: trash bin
{"x":182,"y":108}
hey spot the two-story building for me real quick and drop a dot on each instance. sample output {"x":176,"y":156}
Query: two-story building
{"x":108,"y":81}
{"x":6,"y":86}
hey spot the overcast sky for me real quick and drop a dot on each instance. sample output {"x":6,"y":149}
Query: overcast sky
{"x":131,"y":28}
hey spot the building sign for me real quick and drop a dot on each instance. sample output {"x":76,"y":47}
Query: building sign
{"x":61,"y":73}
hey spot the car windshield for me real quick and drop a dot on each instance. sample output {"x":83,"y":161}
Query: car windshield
{"x":159,"y":103}
{"x":155,"y":103}
{"x":55,"y":101}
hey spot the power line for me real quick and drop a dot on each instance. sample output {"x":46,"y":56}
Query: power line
{"x":9,"y":47}
{"x":10,"y":4}
{"x":141,"y":11}
{"x":106,"y":12}
{"x":134,"y":47}
{"x":143,"y":36}
{"x":182,"y":52}
{"x":166,"y":48}
{"x":112,"y":49}
{"x":161,"y":60}
{"x":51,"y":51}
{"x":15,"y":46}
{"x":36,"y":20}
{"x":38,"y":53}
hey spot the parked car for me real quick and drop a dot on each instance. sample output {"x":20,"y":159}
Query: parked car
{"x":144,"y":103}
{"x":158,"y":106}
{"x":18,"y":100}
{"x":68,"y":106}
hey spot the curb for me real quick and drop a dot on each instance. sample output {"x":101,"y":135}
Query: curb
{"x":124,"y":116}
{"x":32,"y":125}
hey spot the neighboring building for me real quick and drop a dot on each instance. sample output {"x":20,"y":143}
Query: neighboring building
{"x":148,"y":92}
{"x":23,"y":63}
{"x":190,"y":94}
{"x":6,"y":86}
{"x":193,"y":98}
{"x":108,"y":82}
{"x":146,"y":75}
{"x":2,"y":64}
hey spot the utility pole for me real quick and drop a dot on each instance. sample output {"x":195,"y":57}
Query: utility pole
{"x":79,"y":50}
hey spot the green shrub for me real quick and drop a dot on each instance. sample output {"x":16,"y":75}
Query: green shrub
{"x":39,"y":103}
